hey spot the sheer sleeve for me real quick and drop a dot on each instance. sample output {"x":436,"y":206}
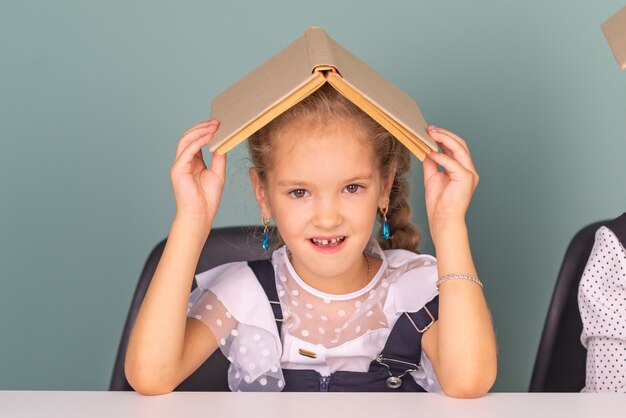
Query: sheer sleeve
{"x":231,"y":302}
{"x":204,"y":306}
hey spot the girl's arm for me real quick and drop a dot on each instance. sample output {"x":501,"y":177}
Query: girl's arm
{"x":164,"y":343}
{"x":165,"y":346}
{"x":461,"y":344}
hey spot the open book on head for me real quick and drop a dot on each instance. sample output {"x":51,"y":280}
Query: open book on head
{"x":296,"y":72}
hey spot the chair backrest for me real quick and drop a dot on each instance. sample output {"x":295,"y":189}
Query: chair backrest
{"x":561,"y":358}
{"x":241,"y":243}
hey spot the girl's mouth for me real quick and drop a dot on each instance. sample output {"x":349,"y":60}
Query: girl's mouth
{"x":328,"y":245}
{"x":328,"y":242}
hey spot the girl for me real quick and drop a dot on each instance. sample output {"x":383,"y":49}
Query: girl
{"x":341,"y":310}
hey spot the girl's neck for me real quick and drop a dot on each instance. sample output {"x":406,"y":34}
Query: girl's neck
{"x":342,"y":285}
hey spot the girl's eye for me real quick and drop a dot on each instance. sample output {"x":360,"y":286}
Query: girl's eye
{"x":298,"y":193}
{"x":353,"y":188}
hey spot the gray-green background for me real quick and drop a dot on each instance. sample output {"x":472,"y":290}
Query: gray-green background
{"x":94,"y":96}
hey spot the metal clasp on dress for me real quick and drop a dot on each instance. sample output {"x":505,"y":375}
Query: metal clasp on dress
{"x":421,"y":331}
{"x":394,"y":382}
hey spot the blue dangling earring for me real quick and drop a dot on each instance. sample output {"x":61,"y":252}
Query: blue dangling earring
{"x":385,"y":231}
{"x":266,"y":234}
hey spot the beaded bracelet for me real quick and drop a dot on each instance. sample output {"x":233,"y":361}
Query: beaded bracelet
{"x":458,"y":276}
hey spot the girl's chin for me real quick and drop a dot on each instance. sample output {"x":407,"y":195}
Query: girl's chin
{"x":328,"y":249}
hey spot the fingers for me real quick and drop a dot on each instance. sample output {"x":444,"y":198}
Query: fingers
{"x":449,"y":133}
{"x":430,"y":167}
{"x":194,"y":147}
{"x":194,"y":133}
{"x":218,"y":165}
{"x":452,"y":146}
{"x":453,"y":168}
{"x":201,"y":125}
{"x":455,"y":158}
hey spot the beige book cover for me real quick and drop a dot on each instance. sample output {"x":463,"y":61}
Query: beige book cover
{"x":615,"y":32}
{"x":296,"y":72}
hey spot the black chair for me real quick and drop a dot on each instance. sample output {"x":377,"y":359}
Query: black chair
{"x":561,"y":358}
{"x":224,"y":245}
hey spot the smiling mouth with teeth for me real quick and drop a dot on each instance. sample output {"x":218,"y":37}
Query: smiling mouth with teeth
{"x":327,"y":242}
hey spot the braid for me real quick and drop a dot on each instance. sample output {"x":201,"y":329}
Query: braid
{"x":403,"y":234}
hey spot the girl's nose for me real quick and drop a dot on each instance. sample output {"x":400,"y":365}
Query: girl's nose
{"x":327,"y":215}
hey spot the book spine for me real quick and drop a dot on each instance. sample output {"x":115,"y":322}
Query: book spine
{"x":319,"y":49}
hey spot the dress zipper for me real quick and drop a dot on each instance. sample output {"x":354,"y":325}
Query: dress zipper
{"x":324,"y":380}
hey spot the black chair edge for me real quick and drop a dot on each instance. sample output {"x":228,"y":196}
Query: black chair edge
{"x":561,"y":358}
{"x":225,"y":244}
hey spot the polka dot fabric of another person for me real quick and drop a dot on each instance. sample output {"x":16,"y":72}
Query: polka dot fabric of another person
{"x":602,"y":304}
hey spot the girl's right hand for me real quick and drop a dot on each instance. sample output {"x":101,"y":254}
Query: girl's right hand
{"x":197,"y":190}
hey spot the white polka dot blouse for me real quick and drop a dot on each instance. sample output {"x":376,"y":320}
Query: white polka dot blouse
{"x":320,"y":331}
{"x":602,"y":304}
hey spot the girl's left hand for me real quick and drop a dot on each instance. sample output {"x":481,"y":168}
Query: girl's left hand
{"x":448,"y":193}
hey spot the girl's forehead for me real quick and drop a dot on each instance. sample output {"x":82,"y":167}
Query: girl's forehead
{"x":337,"y":149}
{"x":322,"y":140}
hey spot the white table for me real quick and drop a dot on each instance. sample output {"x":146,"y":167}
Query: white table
{"x":85,"y":404}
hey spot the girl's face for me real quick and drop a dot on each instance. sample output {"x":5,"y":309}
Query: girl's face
{"x":323,"y":190}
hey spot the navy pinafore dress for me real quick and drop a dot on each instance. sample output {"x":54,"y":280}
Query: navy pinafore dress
{"x":387,"y":373}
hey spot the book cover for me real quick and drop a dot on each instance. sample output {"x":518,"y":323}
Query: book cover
{"x":614,"y":29}
{"x":296,"y":72}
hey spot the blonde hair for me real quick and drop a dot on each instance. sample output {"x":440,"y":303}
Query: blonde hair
{"x":327,"y":105}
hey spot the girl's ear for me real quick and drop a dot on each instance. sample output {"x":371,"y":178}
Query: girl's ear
{"x":259,"y":193}
{"x":388,"y":183}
